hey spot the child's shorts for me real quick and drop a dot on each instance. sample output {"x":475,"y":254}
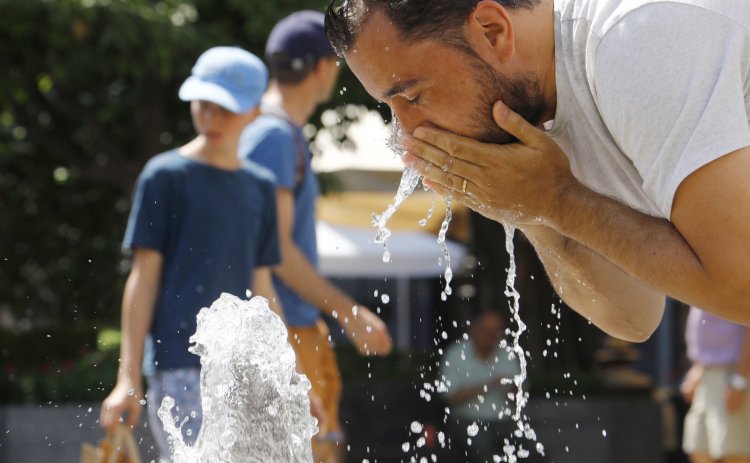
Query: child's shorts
{"x":709,"y":427}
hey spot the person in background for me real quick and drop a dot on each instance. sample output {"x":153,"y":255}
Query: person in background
{"x":717,"y":426}
{"x":202,"y":222}
{"x":478,"y":375}
{"x":304,"y":71}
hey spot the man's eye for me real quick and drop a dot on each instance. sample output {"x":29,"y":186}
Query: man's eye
{"x":414,"y":101}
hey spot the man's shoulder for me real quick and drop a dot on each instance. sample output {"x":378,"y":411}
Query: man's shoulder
{"x":669,"y":14}
{"x":267,"y":125}
{"x":458,"y":348}
{"x":259,"y":172}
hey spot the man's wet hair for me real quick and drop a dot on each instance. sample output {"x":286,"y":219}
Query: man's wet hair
{"x":416,"y":20}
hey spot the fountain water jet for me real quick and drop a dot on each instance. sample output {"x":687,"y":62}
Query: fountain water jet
{"x":255,"y":405}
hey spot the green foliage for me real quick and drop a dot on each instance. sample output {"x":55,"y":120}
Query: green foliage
{"x":66,"y":363}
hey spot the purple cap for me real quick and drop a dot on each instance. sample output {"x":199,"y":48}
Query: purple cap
{"x":298,"y":41}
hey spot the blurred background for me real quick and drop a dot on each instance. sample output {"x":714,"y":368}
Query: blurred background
{"x":89,"y":93}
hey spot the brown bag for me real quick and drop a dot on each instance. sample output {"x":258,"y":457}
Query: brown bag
{"x":117,"y":447}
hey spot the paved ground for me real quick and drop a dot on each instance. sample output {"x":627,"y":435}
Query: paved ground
{"x":43,"y":434}
{"x":573,"y":431}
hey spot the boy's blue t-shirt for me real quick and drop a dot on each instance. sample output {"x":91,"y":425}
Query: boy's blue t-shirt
{"x":282,"y":148}
{"x":212,"y":227}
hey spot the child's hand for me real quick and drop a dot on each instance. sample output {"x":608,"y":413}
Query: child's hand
{"x":125,"y":399}
{"x":366,"y":331}
{"x":690,"y":382}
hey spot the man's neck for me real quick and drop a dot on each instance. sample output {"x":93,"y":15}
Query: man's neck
{"x":297,"y":101}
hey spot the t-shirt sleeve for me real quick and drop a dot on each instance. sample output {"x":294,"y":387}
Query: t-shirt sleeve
{"x":276,"y":149}
{"x":149,"y":215}
{"x":269,"y":252}
{"x":669,"y":82}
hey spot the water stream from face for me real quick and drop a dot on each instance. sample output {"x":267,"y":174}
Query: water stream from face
{"x":256,"y":407}
{"x":524,"y":429}
{"x":409,"y":181}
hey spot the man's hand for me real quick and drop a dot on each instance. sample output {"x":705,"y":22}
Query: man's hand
{"x":125,"y":399}
{"x":518,"y":183}
{"x":317,"y":410}
{"x":366,"y":331}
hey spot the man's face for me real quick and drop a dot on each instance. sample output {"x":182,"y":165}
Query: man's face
{"x":430,"y":82}
{"x":486,"y":332}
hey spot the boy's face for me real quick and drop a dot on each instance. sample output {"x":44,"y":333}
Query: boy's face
{"x":217,"y":124}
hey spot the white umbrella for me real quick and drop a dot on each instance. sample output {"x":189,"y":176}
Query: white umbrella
{"x":350,"y":252}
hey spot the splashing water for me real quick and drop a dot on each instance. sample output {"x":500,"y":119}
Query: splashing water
{"x":255,"y":405}
{"x":447,"y":291}
{"x":409,"y":181}
{"x":521,"y":397}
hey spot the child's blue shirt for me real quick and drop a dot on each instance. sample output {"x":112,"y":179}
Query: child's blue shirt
{"x":213,"y":227}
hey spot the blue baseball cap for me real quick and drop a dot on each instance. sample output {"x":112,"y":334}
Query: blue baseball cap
{"x":298,"y":41}
{"x":230,"y":77}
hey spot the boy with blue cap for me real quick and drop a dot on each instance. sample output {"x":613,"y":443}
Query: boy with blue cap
{"x":202,"y":222}
{"x":304,"y":70}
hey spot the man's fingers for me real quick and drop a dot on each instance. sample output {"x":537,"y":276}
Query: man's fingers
{"x":514,"y":124}
{"x":454,"y":145}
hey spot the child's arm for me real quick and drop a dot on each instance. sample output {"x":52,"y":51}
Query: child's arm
{"x":139,"y":299}
{"x":262,"y":285}
{"x":737,"y":394}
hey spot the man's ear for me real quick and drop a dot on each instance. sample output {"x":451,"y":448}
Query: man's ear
{"x":491,"y":27}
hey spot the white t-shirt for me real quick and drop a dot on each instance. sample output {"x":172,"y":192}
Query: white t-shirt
{"x":461,"y":367}
{"x":649,"y":91}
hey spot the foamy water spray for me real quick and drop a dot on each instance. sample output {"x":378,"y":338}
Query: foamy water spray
{"x":255,"y":405}
{"x":409,"y":181}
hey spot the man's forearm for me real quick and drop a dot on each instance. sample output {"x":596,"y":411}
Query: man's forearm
{"x":650,"y":249}
{"x":597,"y":289}
{"x":298,"y":273}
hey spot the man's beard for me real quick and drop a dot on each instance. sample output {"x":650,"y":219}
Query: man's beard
{"x":522,"y":94}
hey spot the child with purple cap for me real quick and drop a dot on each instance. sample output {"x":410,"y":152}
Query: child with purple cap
{"x":202,"y":222}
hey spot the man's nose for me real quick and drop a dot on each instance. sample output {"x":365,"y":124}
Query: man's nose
{"x":407,"y":116}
